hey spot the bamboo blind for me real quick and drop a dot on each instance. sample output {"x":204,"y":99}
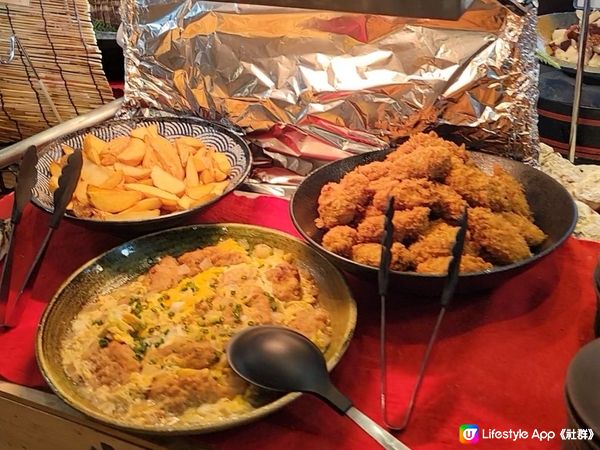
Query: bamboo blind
{"x":57,"y":36}
{"x":106,"y":11}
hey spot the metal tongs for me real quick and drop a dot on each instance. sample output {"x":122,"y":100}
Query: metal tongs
{"x":447,"y":294}
{"x":62,"y":196}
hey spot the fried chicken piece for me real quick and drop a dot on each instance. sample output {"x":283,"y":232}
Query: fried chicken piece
{"x":407,"y":194}
{"x":437,"y":241}
{"x":340,"y":240}
{"x":407,"y":224}
{"x":335,"y":207}
{"x":340,"y":202}
{"x":511,"y":192}
{"x":449,"y":204}
{"x":370,"y":255}
{"x":500,"y":192}
{"x":375,"y":170}
{"x":433,"y":163}
{"x":468,"y":263}
{"x":532,"y":233}
{"x":371,"y":229}
{"x":499,"y":239}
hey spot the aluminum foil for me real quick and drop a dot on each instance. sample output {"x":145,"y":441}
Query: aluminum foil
{"x":316,"y":86}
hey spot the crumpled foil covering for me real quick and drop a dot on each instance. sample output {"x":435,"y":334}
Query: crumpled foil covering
{"x":322,"y":85}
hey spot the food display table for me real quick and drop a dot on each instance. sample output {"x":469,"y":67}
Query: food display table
{"x":500,"y":360}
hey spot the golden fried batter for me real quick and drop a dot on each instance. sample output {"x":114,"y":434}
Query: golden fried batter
{"x":511,"y":191}
{"x":370,"y":255}
{"x":432,"y":163}
{"x":375,"y":170}
{"x":340,"y":240}
{"x":531,"y":232}
{"x":497,"y":237}
{"x":468,"y":263}
{"x":407,"y":224}
{"x":407,"y":194}
{"x":335,"y":207}
{"x":438,"y":241}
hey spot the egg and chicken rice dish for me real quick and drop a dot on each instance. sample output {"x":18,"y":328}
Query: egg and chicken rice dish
{"x":432,"y":181}
{"x":152,"y":351}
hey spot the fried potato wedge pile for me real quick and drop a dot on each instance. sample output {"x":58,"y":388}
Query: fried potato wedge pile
{"x":143,"y":175}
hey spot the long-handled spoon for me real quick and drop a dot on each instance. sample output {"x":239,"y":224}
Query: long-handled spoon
{"x":281,"y":359}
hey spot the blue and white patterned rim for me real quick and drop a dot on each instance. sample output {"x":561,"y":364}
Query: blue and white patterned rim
{"x":213,"y":135}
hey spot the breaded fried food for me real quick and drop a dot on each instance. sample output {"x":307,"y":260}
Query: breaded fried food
{"x":408,"y":194}
{"x":375,"y":170}
{"x":468,"y":263}
{"x":407,"y":224}
{"x":339,"y":203}
{"x":340,"y":240}
{"x":499,"y":192}
{"x":355,"y":187}
{"x":511,"y":191}
{"x":530,"y":231}
{"x":433,"y":163}
{"x":370,"y":255}
{"x":449,"y":205}
{"x":437,"y":242}
{"x":500,"y":241}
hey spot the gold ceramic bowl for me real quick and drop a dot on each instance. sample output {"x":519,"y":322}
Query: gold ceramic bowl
{"x":128,"y":261}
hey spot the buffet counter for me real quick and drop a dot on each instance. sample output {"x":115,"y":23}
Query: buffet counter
{"x":499,"y":363}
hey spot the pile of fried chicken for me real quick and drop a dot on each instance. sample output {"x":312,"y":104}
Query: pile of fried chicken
{"x":432,"y":181}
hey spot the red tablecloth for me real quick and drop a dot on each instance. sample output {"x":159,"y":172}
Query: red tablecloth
{"x":500,"y":360}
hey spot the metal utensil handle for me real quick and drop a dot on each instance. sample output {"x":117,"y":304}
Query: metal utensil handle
{"x":26,"y":179}
{"x":66,"y":186}
{"x":375,"y":431}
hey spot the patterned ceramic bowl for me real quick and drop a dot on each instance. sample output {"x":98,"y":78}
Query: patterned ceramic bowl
{"x":213,"y":135}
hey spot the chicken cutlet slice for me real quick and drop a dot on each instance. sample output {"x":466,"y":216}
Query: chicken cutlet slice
{"x":468,"y":263}
{"x":499,"y":239}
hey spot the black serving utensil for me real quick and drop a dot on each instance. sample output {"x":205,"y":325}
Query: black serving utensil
{"x":446,"y":297}
{"x":26,"y":179}
{"x":284,"y":360}
{"x":62,"y":196}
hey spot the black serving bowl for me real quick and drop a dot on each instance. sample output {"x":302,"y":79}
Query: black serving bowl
{"x":553,"y":208}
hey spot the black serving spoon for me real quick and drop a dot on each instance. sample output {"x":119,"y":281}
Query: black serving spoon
{"x":281,"y":359}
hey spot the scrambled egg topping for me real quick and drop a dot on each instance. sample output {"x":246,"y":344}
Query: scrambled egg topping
{"x":153,"y":350}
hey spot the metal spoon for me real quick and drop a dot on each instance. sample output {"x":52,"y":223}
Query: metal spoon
{"x":283,"y":360}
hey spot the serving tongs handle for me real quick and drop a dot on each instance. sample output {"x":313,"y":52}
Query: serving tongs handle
{"x":62,"y":196}
{"x":26,"y":180}
{"x":446,"y":297}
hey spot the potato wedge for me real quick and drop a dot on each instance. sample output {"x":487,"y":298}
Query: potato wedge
{"x":53,"y":183}
{"x":80,"y":193}
{"x":113,"y":181}
{"x":55,"y":168}
{"x":145,"y":204}
{"x":185,"y":202}
{"x":167,"y":156}
{"x":218,"y":175}
{"x":139,"y":133}
{"x":117,"y":145}
{"x":150,"y":159}
{"x":94,"y":174}
{"x":134,"y":153}
{"x":151,"y":191}
{"x":133,"y":171}
{"x":202,"y":161}
{"x":222,"y":162}
{"x":219,"y":188}
{"x":107,"y":159}
{"x":184,"y":151}
{"x":92,"y":147}
{"x":135,"y":215}
{"x":152,"y":130}
{"x":191,"y":141}
{"x":167,"y":182}
{"x":67,"y":150}
{"x":200,"y":191}
{"x":112,"y":201}
{"x":207,"y":176}
{"x":191,"y":174}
